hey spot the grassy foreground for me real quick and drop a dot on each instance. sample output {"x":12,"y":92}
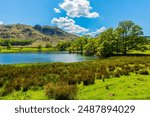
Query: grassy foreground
{"x":134,"y":87}
{"x":113,"y":78}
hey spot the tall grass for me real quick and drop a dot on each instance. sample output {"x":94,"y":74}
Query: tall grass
{"x":64,"y":77}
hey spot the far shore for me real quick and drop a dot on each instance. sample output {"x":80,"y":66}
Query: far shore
{"x":26,"y":49}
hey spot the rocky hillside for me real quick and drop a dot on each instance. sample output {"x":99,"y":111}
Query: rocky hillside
{"x":37,"y":33}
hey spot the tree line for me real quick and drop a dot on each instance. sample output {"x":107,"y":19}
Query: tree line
{"x":127,"y":36}
{"x":15,"y":42}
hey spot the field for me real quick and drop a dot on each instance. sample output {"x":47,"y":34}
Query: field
{"x":134,"y":87}
{"x":25,"y":49}
{"x":112,"y":78}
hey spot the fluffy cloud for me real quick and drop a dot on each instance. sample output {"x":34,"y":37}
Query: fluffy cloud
{"x":78,"y":8}
{"x":1,"y":23}
{"x":69,"y":25}
{"x":57,"y":10}
{"x":98,"y":31}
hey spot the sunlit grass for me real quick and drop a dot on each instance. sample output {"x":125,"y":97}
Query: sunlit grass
{"x":29,"y":95}
{"x":25,"y":49}
{"x":124,"y":88}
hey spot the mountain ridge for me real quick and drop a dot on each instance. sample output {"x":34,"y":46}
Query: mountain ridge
{"x":45,"y":33}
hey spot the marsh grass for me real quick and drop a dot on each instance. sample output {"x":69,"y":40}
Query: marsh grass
{"x":66,"y":77}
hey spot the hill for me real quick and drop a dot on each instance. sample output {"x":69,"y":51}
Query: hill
{"x":41,"y":34}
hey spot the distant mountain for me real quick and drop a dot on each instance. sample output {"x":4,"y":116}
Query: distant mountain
{"x":39,"y":33}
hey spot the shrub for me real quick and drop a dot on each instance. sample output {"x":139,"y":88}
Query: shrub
{"x":125,"y":72}
{"x":143,"y":72}
{"x":66,"y":92}
{"x":88,"y":78}
{"x":111,"y":68}
{"x":9,"y":46}
{"x":106,"y":74}
{"x":118,"y":72}
{"x":99,"y":75}
{"x":61,"y":91}
{"x":48,"y":46}
{"x":50,"y":90}
{"x":52,"y":78}
{"x":39,"y":47}
{"x":7,"y":89}
{"x":73,"y":80}
{"x":136,"y":67}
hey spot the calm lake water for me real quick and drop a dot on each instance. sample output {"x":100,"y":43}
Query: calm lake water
{"x":38,"y":57}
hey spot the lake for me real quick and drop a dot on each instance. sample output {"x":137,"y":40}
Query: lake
{"x":39,"y":57}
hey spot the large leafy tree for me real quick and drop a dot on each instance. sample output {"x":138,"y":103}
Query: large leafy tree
{"x":63,"y":45}
{"x":105,"y":44}
{"x":90,"y":47}
{"x":130,"y":35}
{"x":78,"y":44}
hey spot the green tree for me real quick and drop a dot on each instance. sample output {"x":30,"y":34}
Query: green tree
{"x":80,"y":42}
{"x":63,"y":45}
{"x":105,"y":43}
{"x":90,"y":47}
{"x":117,"y":39}
{"x":130,"y":35}
{"x":48,"y":45}
{"x":40,"y":47}
{"x":73,"y":47}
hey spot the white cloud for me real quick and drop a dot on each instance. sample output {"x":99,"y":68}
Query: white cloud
{"x":78,"y":8}
{"x":1,"y":23}
{"x":69,"y":25}
{"x":57,"y":10}
{"x":102,"y":29}
{"x":98,"y":31}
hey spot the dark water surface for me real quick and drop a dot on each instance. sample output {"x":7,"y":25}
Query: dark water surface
{"x":38,"y":57}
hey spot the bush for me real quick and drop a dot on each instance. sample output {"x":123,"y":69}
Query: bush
{"x":118,"y":72}
{"x":9,"y":46}
{"x":111,"y":68}
{"x":88,"y":78}
{"x":48,"y":46}
{"x":7,"y":89}
{"x":39,"y":47}
{"x":66,"y":92}
{"x":50,"y":90}
{"x":136,"y":67}
{"x":106,"y":74}
{"x":143,"y":72}
{"x":73,"y":80}
{"x":61,"y":91}
{"x":52,"y":78}
{"x":99,"y":75}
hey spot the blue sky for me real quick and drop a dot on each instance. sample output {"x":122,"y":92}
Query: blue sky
{"x":76,"y":16}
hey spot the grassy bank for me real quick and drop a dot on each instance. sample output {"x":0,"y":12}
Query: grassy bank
{"x":112,"y":78}
{"x":25,"y":49}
